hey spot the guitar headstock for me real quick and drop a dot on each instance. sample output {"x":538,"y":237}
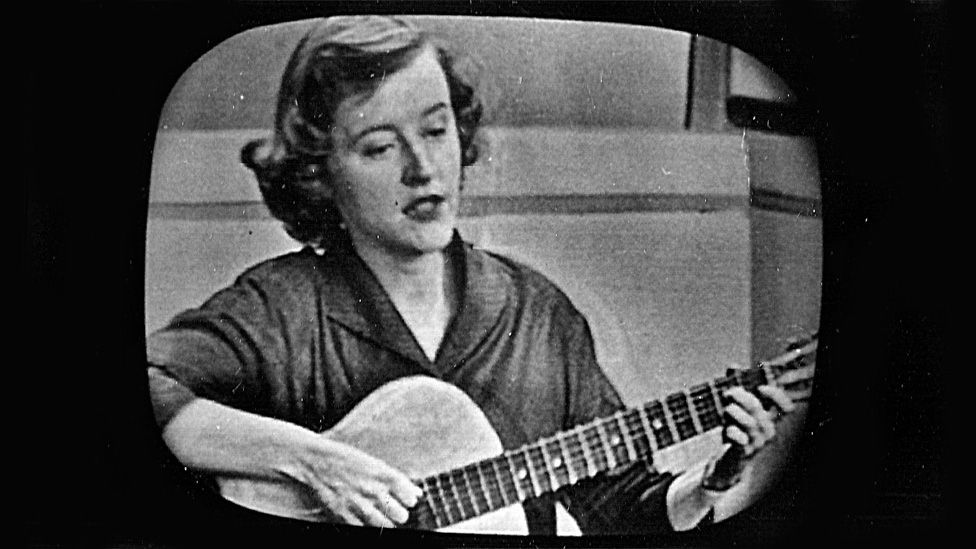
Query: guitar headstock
{"x":793,"y":370}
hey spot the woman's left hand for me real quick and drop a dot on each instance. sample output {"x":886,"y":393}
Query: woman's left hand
{"x":750,"y":427}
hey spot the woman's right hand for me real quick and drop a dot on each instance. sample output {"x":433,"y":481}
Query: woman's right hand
{"x":353,"y":487}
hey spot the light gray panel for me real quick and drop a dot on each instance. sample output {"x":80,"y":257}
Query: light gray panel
{"x":787,"y":274}
{"x":748,"y":77}
{"x":203,"y":166}
{"x":534,"y":72}
{"x":784,"y":164}
{"x":667,"y":294}
{"x":187,"y":261}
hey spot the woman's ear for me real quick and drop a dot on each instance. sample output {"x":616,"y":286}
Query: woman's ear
{"x":317,"y":180}
{"x":323,"y":187}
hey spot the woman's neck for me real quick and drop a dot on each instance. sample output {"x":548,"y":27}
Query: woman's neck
{"x":415,"y":278}
{"x":421,"y":288}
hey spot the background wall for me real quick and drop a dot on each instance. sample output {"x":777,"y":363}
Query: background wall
{"x":689,"y":243}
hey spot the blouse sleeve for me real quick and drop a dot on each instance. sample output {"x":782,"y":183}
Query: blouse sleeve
{"x":627,"y":500}
{"x":216,"y":352}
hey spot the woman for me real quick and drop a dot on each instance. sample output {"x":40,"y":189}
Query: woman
{"x":373,"y":131}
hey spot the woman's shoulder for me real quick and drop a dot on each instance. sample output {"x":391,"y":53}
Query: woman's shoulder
{"x":527,"y":282}
{"x":297,"y":262}
{"x":287,"y":274}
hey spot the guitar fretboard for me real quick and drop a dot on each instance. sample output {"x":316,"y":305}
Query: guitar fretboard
{"x":585,"y":451}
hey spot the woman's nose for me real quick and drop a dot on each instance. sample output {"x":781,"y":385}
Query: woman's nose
{"x":419,"y":168}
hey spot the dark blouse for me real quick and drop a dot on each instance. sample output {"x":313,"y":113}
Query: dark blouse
{"x":305,"y":336}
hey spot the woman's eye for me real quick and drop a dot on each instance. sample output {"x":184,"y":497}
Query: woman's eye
{"x":374,"y":151}
{"x":435,"y":132}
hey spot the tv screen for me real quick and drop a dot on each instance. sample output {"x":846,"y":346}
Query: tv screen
{"x":683,"y":174}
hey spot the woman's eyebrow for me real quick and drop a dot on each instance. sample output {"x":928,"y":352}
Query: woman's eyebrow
{"x":433,"y":109}
{"x":376,"y":128}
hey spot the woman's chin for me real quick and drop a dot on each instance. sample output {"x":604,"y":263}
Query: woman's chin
{"x":433,"y":243}
{"x":417,"y":241}
{"x":432,"y":236}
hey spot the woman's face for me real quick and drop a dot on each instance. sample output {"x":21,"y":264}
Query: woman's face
{"x":396,"y":162}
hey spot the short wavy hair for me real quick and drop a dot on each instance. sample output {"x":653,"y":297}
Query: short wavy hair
{"x":338,"y":58}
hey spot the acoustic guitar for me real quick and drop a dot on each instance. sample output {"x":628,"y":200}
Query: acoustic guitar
{"x":436,"y":434}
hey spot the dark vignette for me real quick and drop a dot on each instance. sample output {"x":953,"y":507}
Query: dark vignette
{"x":873,"y":80}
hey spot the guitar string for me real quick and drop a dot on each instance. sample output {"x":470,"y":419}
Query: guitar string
{"x":497,"y":487}
{"x":575,"y":457}
{"x":534,"y":455}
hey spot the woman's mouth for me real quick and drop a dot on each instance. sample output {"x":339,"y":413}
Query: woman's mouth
{"x":427,"y":208}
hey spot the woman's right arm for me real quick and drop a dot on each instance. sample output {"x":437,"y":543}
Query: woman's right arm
{"x":355,"y":487}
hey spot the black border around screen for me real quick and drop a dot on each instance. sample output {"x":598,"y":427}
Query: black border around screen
{"x":872,"y":78}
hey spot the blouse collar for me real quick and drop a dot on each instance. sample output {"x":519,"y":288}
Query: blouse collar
{"x":354,"y":298}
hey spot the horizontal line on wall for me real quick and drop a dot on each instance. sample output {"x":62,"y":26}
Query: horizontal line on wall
{"x":481,"y":206}
{"x":209,"y":211}
{"x":765,"y":199}
{"x":593,"y":204}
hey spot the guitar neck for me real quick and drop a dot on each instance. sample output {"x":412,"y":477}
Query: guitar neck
{"x":587,"y":450}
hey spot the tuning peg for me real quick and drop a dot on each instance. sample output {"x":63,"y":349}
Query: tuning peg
{"x":734,"y":368}
{"x":799,"y":341}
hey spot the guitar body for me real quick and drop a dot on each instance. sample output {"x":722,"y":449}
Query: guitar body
{"x":419,"y":425}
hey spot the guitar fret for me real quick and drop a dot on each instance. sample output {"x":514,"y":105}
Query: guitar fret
{"x":713,"y":404}
{"x":536,"y":488}
{"x":446,"y":507}
{"x":502,"y":491}
{"x":638,"y":436}
{"x":541,"y":466}
{"x":518,"y":474}
{"x":489,"y":479}
{"x":681,"y":415}
{"x":704,"y":399}
{"x":493,"y":478}
{"x":672,"y":426}
{"x":648,"y":431}
{"x":721,"y":386}
{"x":696,"y":422}
{"x":662,"y":424}
{"x":717,"y":397}
{"x":452,"y":482}
{"x":432,"y":504}
{"x":591,"y":469}
{"x":471,"y":492}
{"x":568,"y":460}
{"x":631,"y":452}
{"x":604,"y":443}
{"x":598,"y":446}
{"x":767,"y":374}
{"x":616,"y":440}
{"x":550,"y":468}
{"x":560,"y":462}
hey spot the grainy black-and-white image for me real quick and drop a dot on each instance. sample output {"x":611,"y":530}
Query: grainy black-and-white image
{"x":483,"y":275}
